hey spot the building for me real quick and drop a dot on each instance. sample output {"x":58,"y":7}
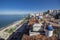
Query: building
{"x":49,"y":31}
{"x":55,"y":13}
{"x":50,"y":11}
{"x":35,"y":29}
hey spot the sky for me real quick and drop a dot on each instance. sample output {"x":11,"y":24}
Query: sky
{"x":27,"y":6}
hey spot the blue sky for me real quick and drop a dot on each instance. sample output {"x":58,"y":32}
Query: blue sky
{"x":26,"y":6}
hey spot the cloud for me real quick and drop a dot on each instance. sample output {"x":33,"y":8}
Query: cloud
{"x":14,"y":12}
{"x":17,"y":12}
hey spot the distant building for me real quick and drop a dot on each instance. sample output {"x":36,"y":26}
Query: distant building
{"x":50,"y":11}
{"x":55,"y":13}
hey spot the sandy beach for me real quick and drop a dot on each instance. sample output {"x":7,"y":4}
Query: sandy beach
{"x":4,"y":34}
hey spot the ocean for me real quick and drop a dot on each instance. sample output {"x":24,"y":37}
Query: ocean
{"x":8,"y":19}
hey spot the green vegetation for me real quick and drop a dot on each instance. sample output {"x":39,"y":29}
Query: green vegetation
{"x":26,"y":18}
{"x":57,"y":16}
{"x":56,"y":31}
{"x":10,"y":30}
{"x":47,"y":12}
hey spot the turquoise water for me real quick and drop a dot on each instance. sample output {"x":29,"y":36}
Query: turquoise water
{"x":8,"y":19}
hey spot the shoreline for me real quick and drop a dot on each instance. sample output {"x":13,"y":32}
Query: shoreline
{"x":10,"y":24}
{"x":4,"y":34}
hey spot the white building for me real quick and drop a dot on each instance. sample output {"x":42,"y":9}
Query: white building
{"x":54,"y":12}
{"x":36,"y":28}
{"x":49,"y":31}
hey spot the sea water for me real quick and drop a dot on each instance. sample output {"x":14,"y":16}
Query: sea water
{"x":8,"y":19}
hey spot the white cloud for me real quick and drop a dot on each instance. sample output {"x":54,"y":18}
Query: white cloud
{"x":12,"y":12}
{"x":15,"y":12}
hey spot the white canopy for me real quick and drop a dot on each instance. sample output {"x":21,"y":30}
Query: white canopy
{"x":37,"y":27}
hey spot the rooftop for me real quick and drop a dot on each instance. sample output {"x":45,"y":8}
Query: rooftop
{"x":41,"y":36}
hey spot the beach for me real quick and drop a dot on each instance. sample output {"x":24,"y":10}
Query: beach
{"x":4,"y":34}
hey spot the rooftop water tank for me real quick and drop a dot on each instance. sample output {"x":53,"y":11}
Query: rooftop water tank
{"x":49,"y":31}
